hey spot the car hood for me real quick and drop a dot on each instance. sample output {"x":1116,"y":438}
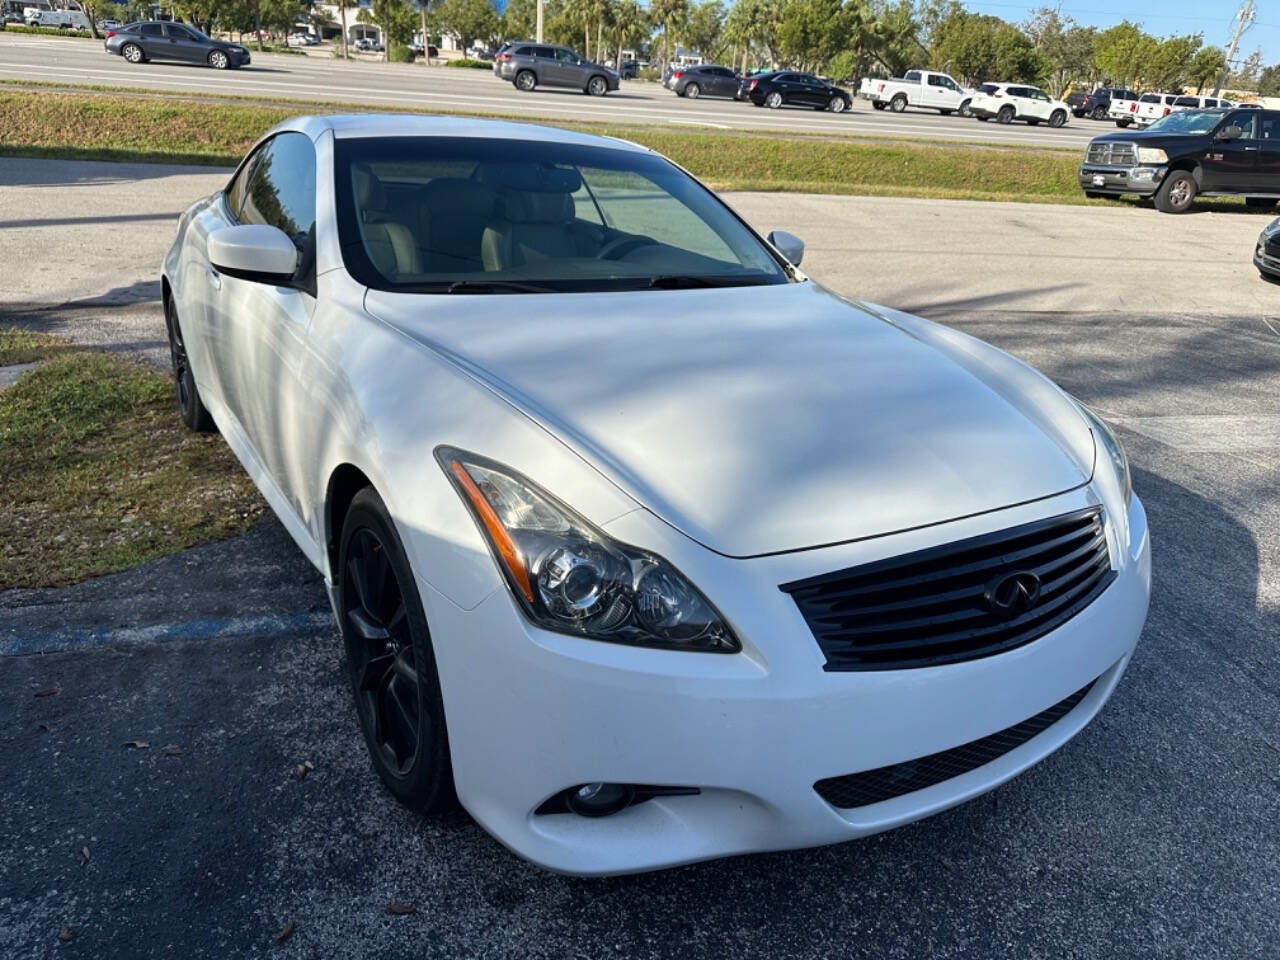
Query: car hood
{"x":766,"y":419}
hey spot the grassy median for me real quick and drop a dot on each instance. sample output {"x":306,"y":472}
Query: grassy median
{"x":97,"y":473}
{"x":107,"y":126}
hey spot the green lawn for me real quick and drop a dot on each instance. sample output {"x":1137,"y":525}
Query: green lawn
{"x":98,"y":473}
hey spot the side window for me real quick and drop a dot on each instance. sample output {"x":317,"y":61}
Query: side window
{"x":151,"y":30}
{"x":912,"y":75}
{"x":1270,"y":127}
{"x":525,"y":52}
{"x":282,"y":192}
{"x":566,"y":56}
{"x":1247,"y":121}
{"x":236,"y":189}
{"x":935,"y":80}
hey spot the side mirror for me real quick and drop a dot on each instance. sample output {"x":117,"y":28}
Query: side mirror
{"x":1232,"y":132}
{"x":254,"y":252}
{"x":789,"y":245}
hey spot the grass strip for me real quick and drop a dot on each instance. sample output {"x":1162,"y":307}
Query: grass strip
{"x":97,"y":472}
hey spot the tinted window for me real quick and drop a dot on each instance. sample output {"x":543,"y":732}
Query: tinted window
{"x":1189,"y":102}
{"x":1270,"y":126}
{"x":936,"y":81}
{"x":566,"y":56}
{"x":1247,"y":121}
{"x":524,"y":52}
{"x":557,"y":216}
{"x":912,"y":75}
{"x":151,"y":30}
{"x":236,"y":189}
{"x":1149,"y":98}
{"x":282,"y":191}
{"x":988,"y":88}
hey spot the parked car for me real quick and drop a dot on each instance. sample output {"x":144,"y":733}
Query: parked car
{"x":165,"y":40}
{"x":787,"y":88}
{"x":629,"y":70}
{"x":1122,"y":112}
{"x":108,"y":24}
{"x":1189,"y":153}
{"x":622,"y":635}
{"x":705,"y":80}
{"x":1153,"y":106}
{"x":1201,"y":103}
{"x":480,"y":53}
{"x":925,"y":89}
{"x":303,"y":40}
{"x":1007,"y":102}
{"x":1097,"y":104}
{"x":369,"y":45}
{"x":1267,"y":255}
{"x":528,"y":65}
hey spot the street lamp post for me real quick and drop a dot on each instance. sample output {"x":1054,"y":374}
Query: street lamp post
{"x":539,"y":36}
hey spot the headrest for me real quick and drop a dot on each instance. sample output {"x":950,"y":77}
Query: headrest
{"x":448,"y":196}
{"x":534,"y":177}
{"x":524,"y":207}
{"x":369,"y":192}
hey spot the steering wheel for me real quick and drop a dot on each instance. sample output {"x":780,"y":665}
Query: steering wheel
{"x":618,"y":248}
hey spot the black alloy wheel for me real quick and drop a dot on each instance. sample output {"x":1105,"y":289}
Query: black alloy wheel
{"x":390,"y":660}
{"x":1057,"y":118}
{"x":190,"y":407}
{"x":597,"y":87}
{"x":1099,"y":112}
{"x":1005,"y":115}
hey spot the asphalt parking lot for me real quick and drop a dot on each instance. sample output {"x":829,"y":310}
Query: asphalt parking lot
{"x":1151,"y":834}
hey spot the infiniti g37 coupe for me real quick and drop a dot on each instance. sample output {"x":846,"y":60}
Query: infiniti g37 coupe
{"x":641,"y":543}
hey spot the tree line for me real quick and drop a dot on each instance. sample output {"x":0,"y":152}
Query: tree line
{"x":841,"y":39}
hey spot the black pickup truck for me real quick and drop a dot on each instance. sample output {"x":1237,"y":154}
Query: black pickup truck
{"x":1188,"y":153}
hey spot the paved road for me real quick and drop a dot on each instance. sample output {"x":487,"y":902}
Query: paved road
{"x":1151,"y":835}
{"x":474,"y":91}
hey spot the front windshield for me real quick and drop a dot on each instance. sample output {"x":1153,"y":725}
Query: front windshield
{"x":1187,"y":121}
{"x":437,"y":214}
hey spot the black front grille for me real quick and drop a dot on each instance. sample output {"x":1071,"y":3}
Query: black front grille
{"x":885,"y":783}
{"x":943,"y":605}
{"x":1271,"y":247}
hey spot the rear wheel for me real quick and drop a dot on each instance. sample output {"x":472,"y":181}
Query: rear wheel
{"x":1099,"y":113}
{"x":1057,"y":118}
{"x":773,"y":101}
{"x":132,"y":52}
{"x":898,"y":103}
{"x":218,"y":60}
{"x":1176,"y":193}
{"x":597,"y":86}
{"x":877,"y":105}
{"x":692,"y":90}
{"x":526,"y":81}
{"x":190,"y":407}
{"x":1005,"y":115}
{"x":390,"y":661}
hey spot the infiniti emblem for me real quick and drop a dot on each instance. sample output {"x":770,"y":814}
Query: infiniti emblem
{"x":1013,"y":594}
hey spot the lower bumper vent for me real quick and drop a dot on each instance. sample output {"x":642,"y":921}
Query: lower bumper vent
{"x":885,"y":783}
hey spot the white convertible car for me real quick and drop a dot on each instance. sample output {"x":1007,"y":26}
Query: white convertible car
{"x":645,"y":543}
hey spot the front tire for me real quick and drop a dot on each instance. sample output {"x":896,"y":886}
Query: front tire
{"x":525,"y":81}
{"x":219,"y":60}
{"x":1057,"y":118}
{"x":132,"y":52}
{"x":1177,"y":192}
{"x":390,"y":660}
{"x":190,"y":407}
{"x":898,"y":103}
{"x":597,"y":87}
{"x":836,"y":104}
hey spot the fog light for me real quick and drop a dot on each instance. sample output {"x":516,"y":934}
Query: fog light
{"x":599,"y":799}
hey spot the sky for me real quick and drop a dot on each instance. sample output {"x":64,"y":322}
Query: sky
{"x":1213,"y":18}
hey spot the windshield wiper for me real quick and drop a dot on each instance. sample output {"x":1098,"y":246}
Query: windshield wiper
{"x":496,"y":286}
{"x":678,"y":281}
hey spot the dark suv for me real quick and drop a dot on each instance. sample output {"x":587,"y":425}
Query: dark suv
{"x":1190,"y":152}
{"x":706,"y":80}
{"x":165,"y":40}
{"x":1096,"y":104}
{"x":529,"y":65}
{"x":785,"y":87}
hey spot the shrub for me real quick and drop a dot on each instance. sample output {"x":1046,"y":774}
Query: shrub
{"x":400,"y":54}
{"x":473,"y":64}
{"x":47,"y":31}
{"x":648,"y":73}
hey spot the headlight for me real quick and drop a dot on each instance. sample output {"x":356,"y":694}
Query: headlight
{"x":1152,"y":155}
{"x":1272,"y":227}
{"x":1108,"y":441}
{"x":570,"y":577}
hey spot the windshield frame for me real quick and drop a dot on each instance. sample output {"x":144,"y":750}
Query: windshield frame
{"x":356,"y":260}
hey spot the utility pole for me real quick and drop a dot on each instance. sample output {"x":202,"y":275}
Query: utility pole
{"x":539,"y":36}
{"x":1244,"y":20}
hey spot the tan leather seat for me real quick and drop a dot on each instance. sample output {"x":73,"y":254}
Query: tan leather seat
{"x":391,"y":244}
{"x":455,"y":214}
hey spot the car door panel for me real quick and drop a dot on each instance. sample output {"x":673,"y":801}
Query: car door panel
{"x":182,"y":45}
{"x":1231,"y":165}
{"x":1266,"y":178}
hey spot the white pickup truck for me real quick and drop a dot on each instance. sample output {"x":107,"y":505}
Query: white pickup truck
{"x":920,"y":88}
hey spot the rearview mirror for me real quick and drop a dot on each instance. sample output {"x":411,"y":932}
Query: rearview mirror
{"x":1232,"y":132}
{"x":254,"y":252}
{"x":789,"y":245}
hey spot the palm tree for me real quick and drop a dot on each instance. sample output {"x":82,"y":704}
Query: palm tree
{"x":342,"y":12}
{"x":664,"y":12}
{"x":631,"y":26}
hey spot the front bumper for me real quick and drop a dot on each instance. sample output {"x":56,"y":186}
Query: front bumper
{"x":1263,"y":261}
{"x":531,"y":713}
{"x":1099,"y":178}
